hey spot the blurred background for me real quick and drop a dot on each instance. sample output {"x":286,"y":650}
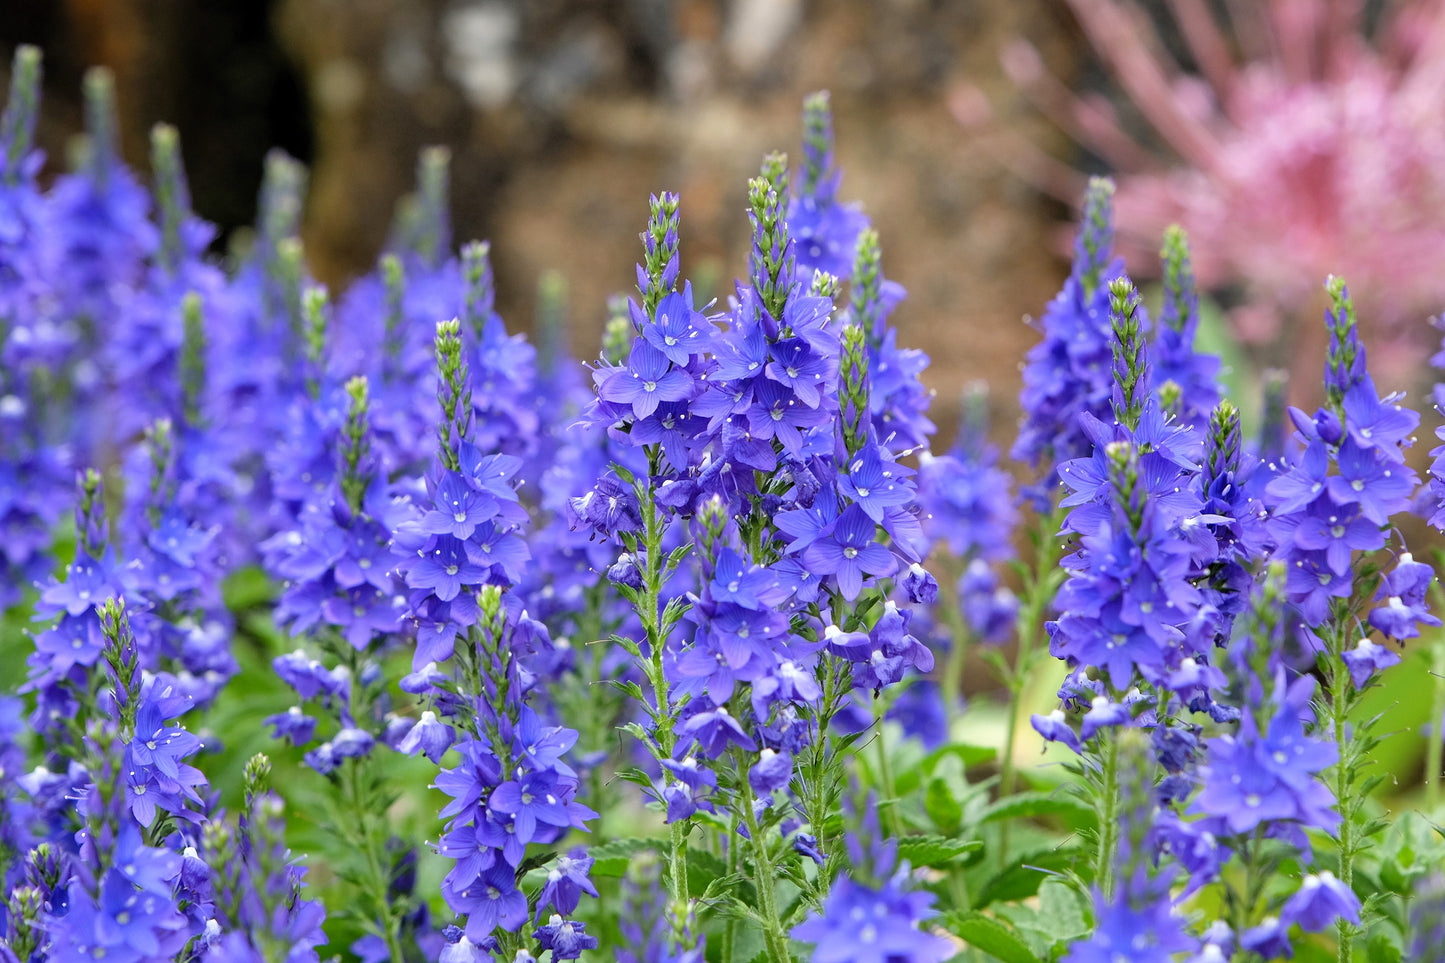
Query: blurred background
{"x":563,"y":116}
{"x":1292,"y":138}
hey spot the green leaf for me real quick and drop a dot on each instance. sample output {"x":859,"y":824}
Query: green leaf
{"x":935,"y":850}
{"x":708,"y":875}
{"x":989,"y":935}
{"x":1063,"y":915}
{"x":613,"y":856}
{"x":1070,"y":809}
{"x":247,"y":588}
{"x":1394,"y":877}
{"x":1025,"y":922}
{"x":907,"y":781}
{"x":941,"y":806}
{"x":1381,"y":949}
{"x":1023,"y":877}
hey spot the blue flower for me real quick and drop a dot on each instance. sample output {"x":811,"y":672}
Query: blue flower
{"x":1055,"y":728}
{"x":1125,"y":932}
{"x":1070,"y":370}
{"x":490,"y":901}
{"x":1404,"y":593}
{"x":430,"y":736}
{"x":678,"y":331}
{"x":536,"y":798}
{"x":1380,"y":487}
{"x":565,"y":938}
{"x":1320,"y":900}
{"x":874,"y":484}
{"x":1367,"y":658}
{"x":1252,"y":779}
{"x":850,"y":554}
{"x":648,"y":380}
{"x":859,"y":924}
{"x":714,"y":730}
{"x":1269,"y":939}
{"x":567,"y":879}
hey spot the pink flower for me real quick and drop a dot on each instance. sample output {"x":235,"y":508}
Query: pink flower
{"x":1316,"y":151}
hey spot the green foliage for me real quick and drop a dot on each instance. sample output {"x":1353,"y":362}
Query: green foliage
{"x":935,"y":850}
{"x":992,"y":936}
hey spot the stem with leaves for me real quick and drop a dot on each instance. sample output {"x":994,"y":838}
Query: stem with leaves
{"x":1435,"y":744}
{"x":1041,"y":584}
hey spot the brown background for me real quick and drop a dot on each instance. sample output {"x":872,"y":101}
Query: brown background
{"x":563,"y":116}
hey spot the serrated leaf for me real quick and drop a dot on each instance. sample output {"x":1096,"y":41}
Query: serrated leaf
{"x":941,"y":806}
{"x":1381,"y":949}
{"x":1023,"y":876}
{"x":934,"y":850}
{"x":1063,"y":914}
{"x":1394,"y":877}
{"x":989,"y":935}
{"x":1071,"y":810}
{"x":705,"y":869}
{"x":613,"y":856}
{"x":911,"y":779}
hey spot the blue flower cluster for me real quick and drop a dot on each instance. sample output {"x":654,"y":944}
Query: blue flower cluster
{"x":1320,"y":517}
{"x":878,"y":922}
{"x":721,"y":546}
{"x":1068,"y":372}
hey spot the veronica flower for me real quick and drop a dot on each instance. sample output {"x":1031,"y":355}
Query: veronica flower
{"x":1254,"y":778}
{"x":849,"y":552}
{"x":72,"y":644}
{"x":1127,"y":575}
{"x":1318,"y":517}
{"x":36,"y":343}
{"x":825,"y":230}
{"x":103,"y":234}
{"x":1427,"y":918}
{"x":1435,"y":483}
{"x":965,"y":495}
{"x":437,"y":566}
{"x":863,"y":921}
{"x":1069,"y":370}
{"x":1404,"y":593}
{"x":1320,"y":900}
{"x":261,"y":911}
{"x":145,"y":342}
{"x":337,"y":561}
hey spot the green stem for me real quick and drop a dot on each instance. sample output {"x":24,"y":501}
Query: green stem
{"x":650,"y":612}
{"x":1340,"y":691}
{"x":1242,"y":905}
{"x":355,"y":795}
{"x":734,"y":864}
{"x":764,"y":875}
{"x":1030,"y":627}
{"x":1109,"y":818}
{"x":885,"y":769}
{"x":1435,"y":746}
{"x":952,"y":681}
{"x":819,"y":792}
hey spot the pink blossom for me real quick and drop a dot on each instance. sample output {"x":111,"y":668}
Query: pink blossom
{"x":1314,"y":150}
